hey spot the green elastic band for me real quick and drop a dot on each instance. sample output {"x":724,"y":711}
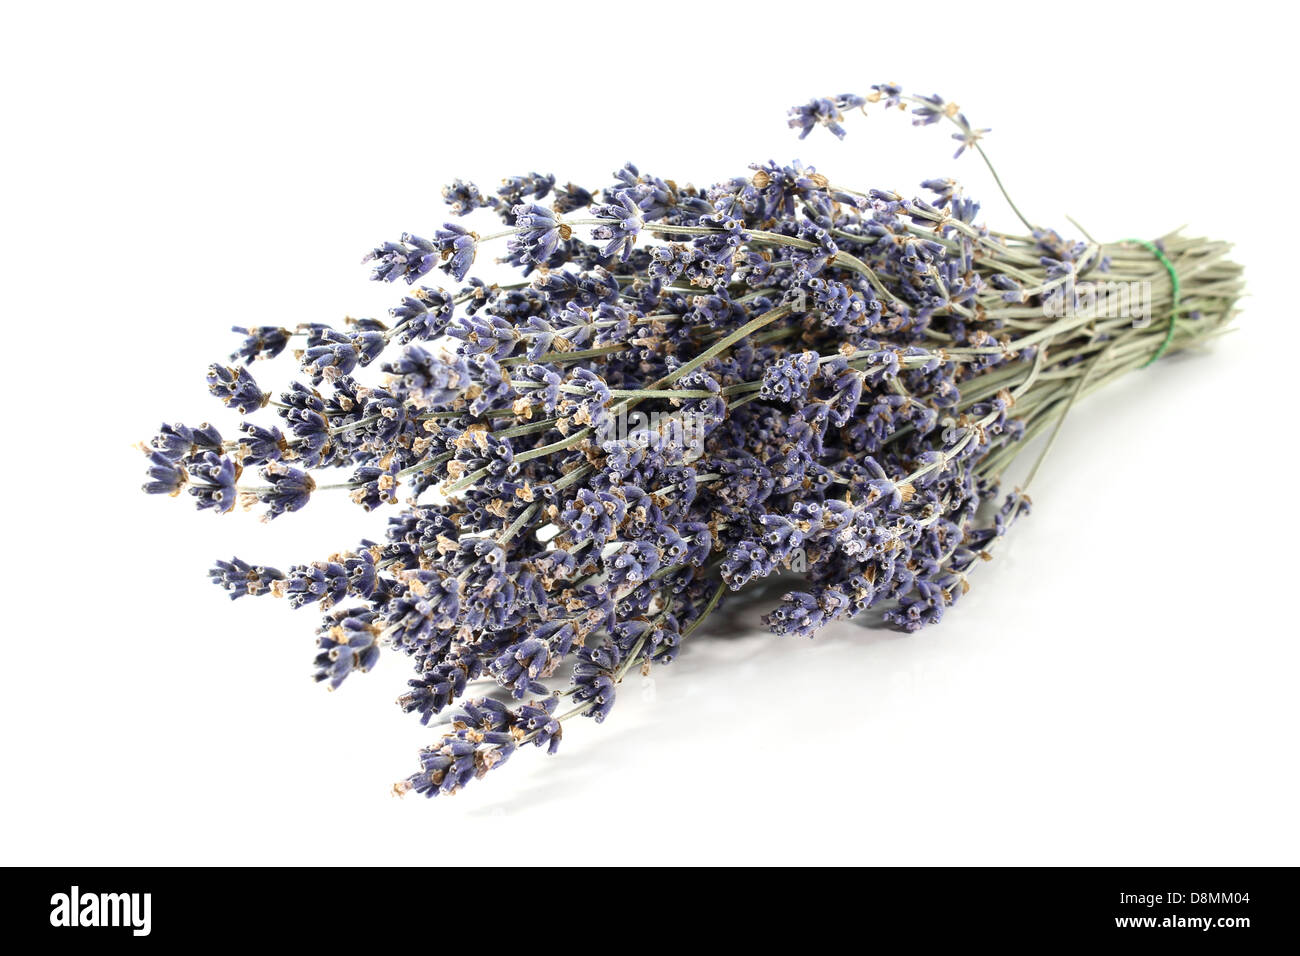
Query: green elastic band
{"x":1173,"y":308}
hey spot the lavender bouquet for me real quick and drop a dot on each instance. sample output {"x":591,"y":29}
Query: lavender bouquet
{"x":686,"y":391}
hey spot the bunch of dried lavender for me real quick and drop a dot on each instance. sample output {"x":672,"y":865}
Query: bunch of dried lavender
{"x":776,"y":373}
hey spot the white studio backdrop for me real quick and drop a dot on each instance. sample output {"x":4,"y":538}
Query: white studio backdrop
{"x":1117,"y":687}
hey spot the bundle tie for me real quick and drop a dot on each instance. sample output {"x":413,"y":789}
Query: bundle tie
{"x":1173,"y":308}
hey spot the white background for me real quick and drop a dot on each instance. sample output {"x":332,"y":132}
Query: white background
{"x":1118,"y":688}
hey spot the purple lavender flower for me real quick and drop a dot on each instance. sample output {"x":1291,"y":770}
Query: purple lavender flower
{"x":261,"y":444}
{"x":789,"y":377}
{"x":422,"y":315}
{"x":823,"y":112}
{"x":235,"y":388}
{"x":288,"y":489}
{"x":464,"y":197}
{"x":541,"y":233}
{"x":166,"y":475}
{"x":515,"y":188}
{"x":347,"y":644}
{"x":409,"y":259}
{"x":212,"y":481}
{"x":571,"y":198}
{"x":240,"y":578}
{"x":260,"y":342}
{"x":426,"y":380}
{"x":457,"y":247}
{"x":175,"y":442}
{"x":623,"y":231}
{"x":594,"y":679}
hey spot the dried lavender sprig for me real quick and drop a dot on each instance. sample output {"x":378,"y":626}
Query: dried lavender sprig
{"x":928,"y":109}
